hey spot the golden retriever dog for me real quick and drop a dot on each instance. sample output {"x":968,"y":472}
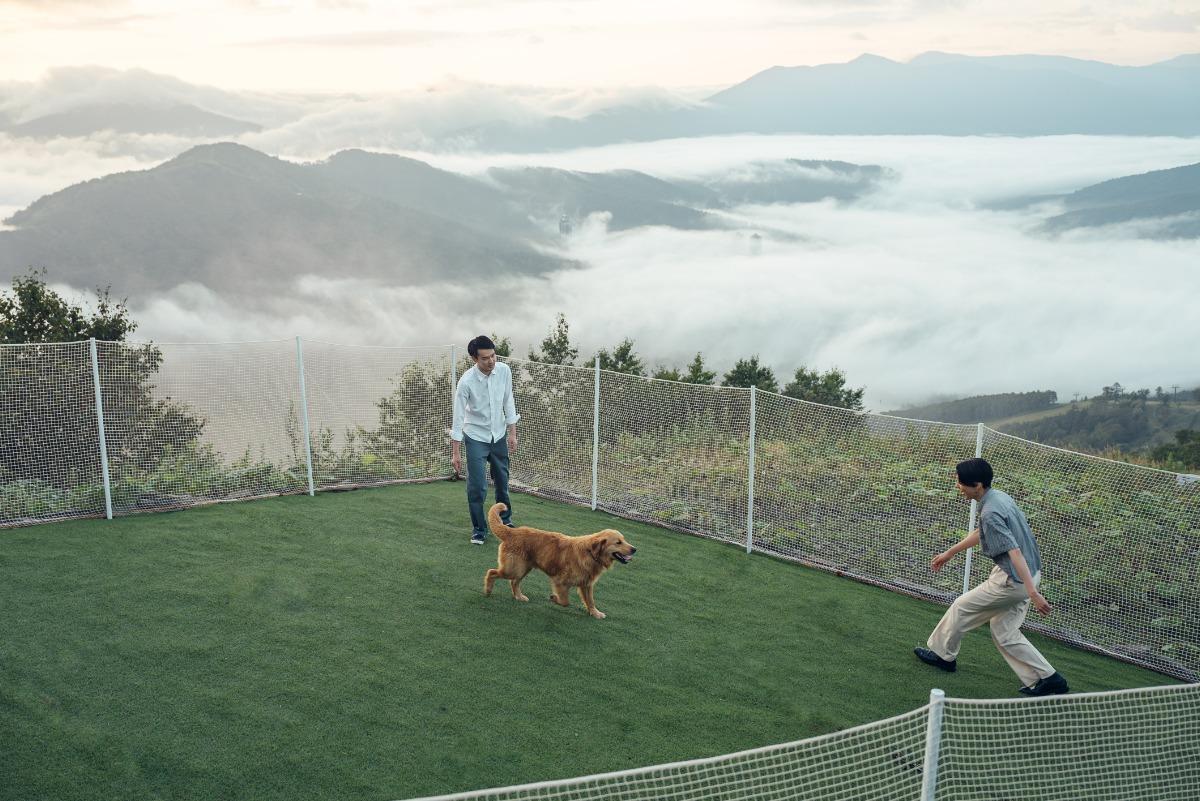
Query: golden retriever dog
{"x":568,"y":561}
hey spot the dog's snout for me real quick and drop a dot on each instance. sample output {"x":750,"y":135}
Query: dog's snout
{"x":632,"y":549}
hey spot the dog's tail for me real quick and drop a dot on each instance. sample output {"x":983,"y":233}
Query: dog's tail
{"x":498,"y":526}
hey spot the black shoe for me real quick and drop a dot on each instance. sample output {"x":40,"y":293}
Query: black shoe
{"x":477,"y":539}
{"x":1051,"y":685}
{"x":930,"y":658}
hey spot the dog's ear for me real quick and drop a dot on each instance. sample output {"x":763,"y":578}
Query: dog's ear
{"x":598,"y":547}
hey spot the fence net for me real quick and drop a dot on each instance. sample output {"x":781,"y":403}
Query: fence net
{"x":50,"y":465}
{"x":1122,"y":549}
{"x":878,"y":762}
{"x":190,"y":424}
{"x":376,"y":415}
{"x":867,"y":496}
{"x":1120,"y":746}
{"x":863,"y":495}
{"x":1133,"y":744}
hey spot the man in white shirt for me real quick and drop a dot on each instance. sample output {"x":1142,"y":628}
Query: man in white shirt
{"x":483,"y":409}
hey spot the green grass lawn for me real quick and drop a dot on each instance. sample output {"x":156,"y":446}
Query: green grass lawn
{"x":341,"y":647}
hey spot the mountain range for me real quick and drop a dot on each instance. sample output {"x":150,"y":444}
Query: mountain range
{"x":245,"y":224}
{"x":934,"y":93}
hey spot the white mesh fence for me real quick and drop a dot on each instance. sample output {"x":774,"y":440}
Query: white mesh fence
{"x":863,"y":495}
{"x":1122,"y":549}
{"x":50,"y":465}
{"x":377,"y":415}
{"x":190,"y":424}
{"x":557,"y":408}
{"x":1132,"y":745}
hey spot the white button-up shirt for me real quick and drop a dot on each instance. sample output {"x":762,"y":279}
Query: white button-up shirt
{"x":483,"y":405}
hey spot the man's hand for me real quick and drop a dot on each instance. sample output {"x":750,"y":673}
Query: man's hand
{"x":1040,"y":603}
{"x":940,"y":560}
{"x":512,"y":440}
{"x":456,"y":457}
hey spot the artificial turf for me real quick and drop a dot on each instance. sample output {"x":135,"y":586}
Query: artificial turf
{"x":340,"y":647}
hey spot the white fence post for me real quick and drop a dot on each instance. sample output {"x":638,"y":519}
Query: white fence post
{"x":100,"y":428}
{"x":304,"y":415}
{"x":933,"y":743}
{"x":974,"y":509}
{"x":453,"y":378}
{"x":750,"y":488}
{"x":596,"y":439}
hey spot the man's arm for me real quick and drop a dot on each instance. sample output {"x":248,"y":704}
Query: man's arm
{"x":1019,"y":564}
{"x":456,"y":428}
{"x":966,"y":543}
{"x":510,"y":414}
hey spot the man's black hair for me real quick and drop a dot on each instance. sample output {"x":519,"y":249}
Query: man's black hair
{"x":481,"y":342}
{"x":974,"y":471}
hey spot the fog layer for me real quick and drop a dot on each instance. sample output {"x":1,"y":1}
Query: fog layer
{"x":916,"y":291}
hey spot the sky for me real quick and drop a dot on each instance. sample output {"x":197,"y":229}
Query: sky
{"x":374,"y":46}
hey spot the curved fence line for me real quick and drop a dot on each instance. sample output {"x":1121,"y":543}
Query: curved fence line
{"x":1116,"y":746}
{"x":92,"y":429}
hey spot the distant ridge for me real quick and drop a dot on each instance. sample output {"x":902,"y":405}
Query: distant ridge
{"x":933,"y":94}
{"x":246,"y":224}
{"x":180,"y":120}
{"x":1168,"y":201}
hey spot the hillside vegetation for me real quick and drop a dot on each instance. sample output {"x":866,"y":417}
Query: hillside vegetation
{"x":1117,"y":423}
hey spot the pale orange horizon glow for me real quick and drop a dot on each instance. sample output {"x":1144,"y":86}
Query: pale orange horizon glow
{"x":370,"y":46}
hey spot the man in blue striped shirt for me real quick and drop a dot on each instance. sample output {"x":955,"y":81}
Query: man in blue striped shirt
{"x":485,"y":422}
{"x":1004,"y":598}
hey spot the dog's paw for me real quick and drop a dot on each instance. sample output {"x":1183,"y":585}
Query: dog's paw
{"x":521,"y":597}
{"x":596,"y":613}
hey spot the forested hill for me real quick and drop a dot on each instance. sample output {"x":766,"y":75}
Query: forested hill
{"x":982,"y":408}
{"x":1132,"y":423}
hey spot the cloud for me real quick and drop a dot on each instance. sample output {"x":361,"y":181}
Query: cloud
{"x":354,"y":39}
{"x":1168,"y":22}
{"x":915,"y":291}
{"x":67,"y":88}
{"x":441,"y":115}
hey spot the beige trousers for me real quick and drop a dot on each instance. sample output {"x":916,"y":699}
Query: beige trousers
{"x":1002,"y":603}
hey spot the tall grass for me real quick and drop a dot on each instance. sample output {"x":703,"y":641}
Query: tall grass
{"x":341,"y":647}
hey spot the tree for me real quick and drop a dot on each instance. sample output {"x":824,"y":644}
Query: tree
{"x":828,"y":388}
{"x":696,"y":373}
{"x":48,"y":430}
{"x":556,"y":347}
{"x":36,"y":314}
{"x":503,"y":346}
{"x":1184,"y":451}
{"x":748,"y":373}
{"x":623,"y":359}
{"x":666,"y":373}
